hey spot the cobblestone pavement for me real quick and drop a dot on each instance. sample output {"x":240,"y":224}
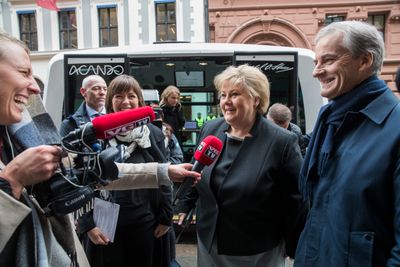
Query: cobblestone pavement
{"x":186,"y":255}
{"x":186,"y":252}
{"x":186,"y":249}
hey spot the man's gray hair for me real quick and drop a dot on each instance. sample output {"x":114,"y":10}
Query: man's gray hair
{"x":359,"y":38}
{"x":279,"y":113}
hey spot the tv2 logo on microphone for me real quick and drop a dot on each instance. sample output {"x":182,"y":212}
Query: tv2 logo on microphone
{"x":126,"y":127}
{"x":210,"y":152}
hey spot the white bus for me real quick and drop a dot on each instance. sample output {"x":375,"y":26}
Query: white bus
{"x":191,"y":67}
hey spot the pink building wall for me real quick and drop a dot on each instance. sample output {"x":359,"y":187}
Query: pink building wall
{"x":295,"y":23}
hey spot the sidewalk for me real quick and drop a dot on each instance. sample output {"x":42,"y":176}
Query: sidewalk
{"x":186,"y":249}
{"x":186,"y":256}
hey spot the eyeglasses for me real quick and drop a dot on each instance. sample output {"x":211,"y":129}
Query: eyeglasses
{"x":98,"y":88}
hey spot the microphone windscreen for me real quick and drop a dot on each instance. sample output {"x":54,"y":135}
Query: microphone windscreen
{"x":109,"y":125}
{"x":208,"y":150}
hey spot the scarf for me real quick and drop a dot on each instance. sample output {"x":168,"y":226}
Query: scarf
{"x":137,"y":137}
{"x":36,"y":127}
{"x":324,"y":138}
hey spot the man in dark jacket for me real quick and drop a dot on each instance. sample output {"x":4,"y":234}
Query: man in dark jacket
{"x":281,"y":116}
{"x":94,"y":91}
{"x":351,"y":171}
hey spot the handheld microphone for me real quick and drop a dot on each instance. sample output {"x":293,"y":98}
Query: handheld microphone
{"x":206,"y":153}
{"x":109,"y":125}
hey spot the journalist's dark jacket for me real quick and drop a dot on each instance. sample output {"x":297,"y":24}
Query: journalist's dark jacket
{"x":159,"y":199}
{"x":258,"y":204}
{"x":75,"y":120}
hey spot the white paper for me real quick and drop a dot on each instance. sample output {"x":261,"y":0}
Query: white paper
{"x":105,"y":215}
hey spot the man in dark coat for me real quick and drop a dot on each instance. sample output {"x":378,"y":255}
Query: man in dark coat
{"x":281,"y":116}
{"x":94,"y":91}
{"x":351,"y":171}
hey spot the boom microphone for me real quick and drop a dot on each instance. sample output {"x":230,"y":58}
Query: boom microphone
{"x":109,"y":125}
{"x":206,"y":153}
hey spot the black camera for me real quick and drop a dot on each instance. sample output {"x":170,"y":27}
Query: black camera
{"x":72,"y":189}
{"x":63,"y":194}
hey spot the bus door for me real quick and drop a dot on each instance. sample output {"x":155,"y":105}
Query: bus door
{"x":281,"y":70}
{"x":77,"y":67}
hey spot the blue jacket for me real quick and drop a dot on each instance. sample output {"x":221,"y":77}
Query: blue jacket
{"x":354,"y":217}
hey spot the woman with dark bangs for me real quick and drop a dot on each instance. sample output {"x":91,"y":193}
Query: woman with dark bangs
{"x":145,"y":215}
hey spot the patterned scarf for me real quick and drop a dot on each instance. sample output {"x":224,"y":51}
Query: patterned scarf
{"x":36,"y":127}
{"x":137,"y":137}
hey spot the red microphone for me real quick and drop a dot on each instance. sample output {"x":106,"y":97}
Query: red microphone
{"x":109,"y":125}
{"x":206,"y":153}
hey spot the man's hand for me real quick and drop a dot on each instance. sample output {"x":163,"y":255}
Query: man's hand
{"x":32,"y":166}
{"x":97,"y":236}
{"x":178,"y":173}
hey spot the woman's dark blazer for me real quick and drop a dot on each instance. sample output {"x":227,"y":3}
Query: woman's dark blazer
{"x":258,"y":203}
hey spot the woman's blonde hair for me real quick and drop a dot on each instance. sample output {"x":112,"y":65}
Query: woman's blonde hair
{"x":166,"y":93}
{"x":7,"y":38}
{"x":123,"y":84}
{"x":247,"y":77}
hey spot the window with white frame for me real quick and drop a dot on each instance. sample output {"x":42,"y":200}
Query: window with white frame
{"x":67,"y":29}
{"x":165,"y":20}
{"x":108,"y":25}
{"x":28,"y":29}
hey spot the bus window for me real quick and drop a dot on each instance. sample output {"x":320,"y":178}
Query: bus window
{"x":187,"y":73}
{"x":281,"y":70}
{"x":194,"y":103}
{"x":301,"y":117}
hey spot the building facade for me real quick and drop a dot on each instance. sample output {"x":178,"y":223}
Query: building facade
{"x":295,"y":23}
{"x":84,"y":24}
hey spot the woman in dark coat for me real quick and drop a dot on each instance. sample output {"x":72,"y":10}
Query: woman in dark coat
{"x":250,"y":212}
{"x":172,"y":109}
{"x":145,"y":215}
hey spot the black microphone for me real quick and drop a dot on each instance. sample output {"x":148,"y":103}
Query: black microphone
{"x":206,"y":153}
